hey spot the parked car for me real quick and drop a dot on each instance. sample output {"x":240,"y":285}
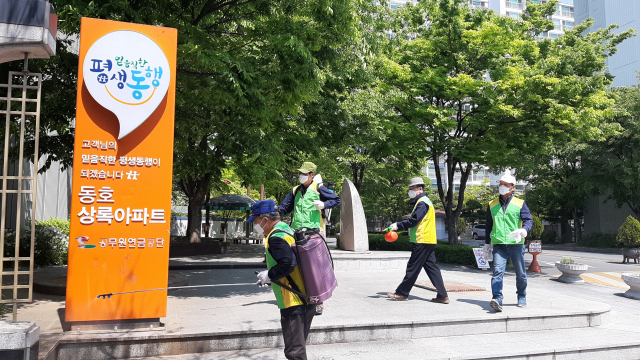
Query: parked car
{"x":478,"y":231}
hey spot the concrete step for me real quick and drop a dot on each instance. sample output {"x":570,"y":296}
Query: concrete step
{"x":598,"y":343}
{"x":460,"y":318}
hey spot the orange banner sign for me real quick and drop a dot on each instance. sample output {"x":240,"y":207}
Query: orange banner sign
{"x":122,"y":171}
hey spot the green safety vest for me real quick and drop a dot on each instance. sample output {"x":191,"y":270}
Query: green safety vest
{"x":305,"y":213}
{"x":504,"y":222}
{"x":425,"y":232}
{"x":285,"y":297}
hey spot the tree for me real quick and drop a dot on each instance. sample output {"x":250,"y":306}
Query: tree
{"x":244,"y":70}
{"x":560,"y":187}
{"x":481,"y":90}
{"x":614,"y":164}
{"x":57,"y":111}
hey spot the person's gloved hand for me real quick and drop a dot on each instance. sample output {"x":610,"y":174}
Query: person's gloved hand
{"x":487,"y":249}
{"x":518,"y":234}
{"x":393,"y":227}
{"x":318,"y":204}
{"x":263,"y":278}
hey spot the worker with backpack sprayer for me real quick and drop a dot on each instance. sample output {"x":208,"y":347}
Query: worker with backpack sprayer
{"x":298,"y":286}
{"x":306,"y":201}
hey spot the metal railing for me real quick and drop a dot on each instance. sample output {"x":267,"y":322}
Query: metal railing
{"x":29,"y":85}
{"x":514,"y":5}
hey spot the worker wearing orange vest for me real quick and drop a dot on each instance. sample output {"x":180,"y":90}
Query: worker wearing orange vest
{"x":422,"y":233}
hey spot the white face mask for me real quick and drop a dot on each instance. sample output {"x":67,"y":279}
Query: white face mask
{"x":258,"y":228}
{"x":504,"y":190}
{"x":412,"y":194}
{"x":303,"y":178}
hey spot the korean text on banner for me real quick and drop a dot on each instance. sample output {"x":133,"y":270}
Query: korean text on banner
{"x":122,"y":171}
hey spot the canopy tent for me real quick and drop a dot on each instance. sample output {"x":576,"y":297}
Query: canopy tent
{"x":230,"y":202}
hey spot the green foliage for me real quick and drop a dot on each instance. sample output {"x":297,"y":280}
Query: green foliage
{"x":461,"y":227}
{"x":536,"y":229}
{"x":377,"y":242}
{"x":614,"y":164}
{"x":548,"y":237}
{"x":629,"y":233}
{"x":567,"y":261}
{"x":599,"y":240}
{"x":51,"y":243}
{"x":3,"y":308}
{"x":60,"y":224}
{"x":445,"y":253}
{"x":537,"y":92}
{"x":455,"y":254}
{"x":57,"y":109}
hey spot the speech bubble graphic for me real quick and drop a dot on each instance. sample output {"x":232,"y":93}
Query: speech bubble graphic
{"x":128,"y":74}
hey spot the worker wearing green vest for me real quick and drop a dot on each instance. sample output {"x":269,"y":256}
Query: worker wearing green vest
{"x":295,"y":314}
{"x":306,"y":201}
{"x":422,"y":233}
{"x":508,"y":223}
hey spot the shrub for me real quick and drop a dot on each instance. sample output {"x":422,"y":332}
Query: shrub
{"x":60,"y":224}
{"x":567,"y":261}
{"x":548,"y":237}
{"x":51,"y":244}
{"x":445,"y":253}
{"x":536,"y":229}
{"x":629,"y":233}
{"x":377,"y":242}
{"x":599,"y":240}
{"x":455,"y":254}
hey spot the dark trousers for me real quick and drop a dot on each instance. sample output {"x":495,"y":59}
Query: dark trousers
{"x":296,"y":322}
{"x":422,"y":256}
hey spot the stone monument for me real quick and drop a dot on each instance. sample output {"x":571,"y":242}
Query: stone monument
{"x":353,"y":225}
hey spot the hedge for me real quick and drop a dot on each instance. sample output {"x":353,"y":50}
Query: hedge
{"x":445,"y":253}
{"x":599,"y":240}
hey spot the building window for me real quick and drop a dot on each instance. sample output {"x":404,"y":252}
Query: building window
{"x":513,"y":15}
{"x":554,"y":36}
{"x":456,"y":187}
{"x":394,"y":5}
{"x":434,"y":186}
{"x":519,"y":187}
{"x":568,"y":25}
{"x":558,"y":25}
{"x":567,"y":11}
{"x":514,"y":4}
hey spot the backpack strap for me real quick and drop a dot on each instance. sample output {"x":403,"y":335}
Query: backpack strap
{"x":294,"y":287}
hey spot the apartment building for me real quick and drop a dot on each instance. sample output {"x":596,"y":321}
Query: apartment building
{"x":625,"y":64}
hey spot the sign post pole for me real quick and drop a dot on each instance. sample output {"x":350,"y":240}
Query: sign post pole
{"x":535,"y":248}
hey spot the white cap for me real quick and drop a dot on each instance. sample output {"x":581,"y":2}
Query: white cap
{"x":508,"y":178}
{"x":317,"y":179}
{"x":416,"y":181}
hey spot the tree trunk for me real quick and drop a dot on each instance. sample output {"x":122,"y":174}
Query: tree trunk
{"x":577,"y":224}
{"x":565,"y":231}
{"x":196,"y":190}
{"x":207,"y":223}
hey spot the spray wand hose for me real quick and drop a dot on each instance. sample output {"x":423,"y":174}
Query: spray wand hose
{"x":105,"y":296}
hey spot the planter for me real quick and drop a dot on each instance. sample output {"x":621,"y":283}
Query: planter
{"x":571,"y":273}
{"x":633,"y":280}
{"x":630,"y":253}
